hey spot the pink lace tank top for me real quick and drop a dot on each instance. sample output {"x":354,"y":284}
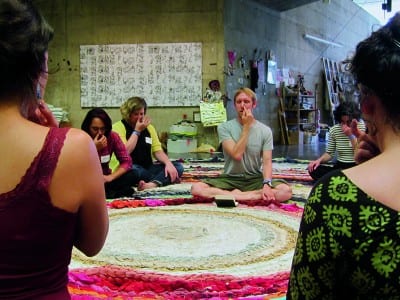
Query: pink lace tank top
{"x":36,"y":238}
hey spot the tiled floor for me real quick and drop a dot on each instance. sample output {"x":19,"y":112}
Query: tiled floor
{"x":303,"y":151}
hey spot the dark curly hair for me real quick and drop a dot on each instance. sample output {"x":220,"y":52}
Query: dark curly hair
{"x":97,"y":113}
{"x":347,"y":108}
{"x":376,"y":65}
{"x":24,"y":38}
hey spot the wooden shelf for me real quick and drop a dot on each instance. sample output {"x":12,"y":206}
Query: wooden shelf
{"x":300,"y":116}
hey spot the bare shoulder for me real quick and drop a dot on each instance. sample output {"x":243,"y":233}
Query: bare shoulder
{"x":78,"y":173}
{"x":79,"y":153}
{"x":77,"y":136}
{"x":78,"y":143}
{"x":383,"y":185}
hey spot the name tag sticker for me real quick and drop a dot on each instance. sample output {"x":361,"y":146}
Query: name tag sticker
{"x":105,"y":158}
{"x":148,"y":140}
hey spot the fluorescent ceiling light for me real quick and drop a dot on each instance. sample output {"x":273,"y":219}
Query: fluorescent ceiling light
{"x":321,"y":40}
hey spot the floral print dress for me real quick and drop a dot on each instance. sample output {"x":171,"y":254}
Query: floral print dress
{"x":348,"y":245}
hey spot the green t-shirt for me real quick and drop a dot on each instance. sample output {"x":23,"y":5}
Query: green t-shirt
{"x":260,"y":139}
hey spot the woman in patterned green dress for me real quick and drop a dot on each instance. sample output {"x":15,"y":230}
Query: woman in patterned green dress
{"x":349,"y":239}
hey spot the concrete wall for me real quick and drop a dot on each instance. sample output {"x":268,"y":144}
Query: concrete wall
{"x":221,"y":25}
{"x":89,"y":22}
{"x":249,"y":25}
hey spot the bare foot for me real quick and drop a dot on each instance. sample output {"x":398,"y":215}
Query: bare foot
{"x":146,"y":185}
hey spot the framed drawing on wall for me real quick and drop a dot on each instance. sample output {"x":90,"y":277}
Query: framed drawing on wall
{"x":165,"y":74}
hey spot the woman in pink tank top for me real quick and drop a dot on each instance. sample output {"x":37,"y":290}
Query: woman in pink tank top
{"x":51,"y":196}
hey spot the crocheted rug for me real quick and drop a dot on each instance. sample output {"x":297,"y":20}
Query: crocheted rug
{"x":173,"y":193}
{"x":284,"y":168}
{"x":166,"y":244}
{"x":190,"y":252}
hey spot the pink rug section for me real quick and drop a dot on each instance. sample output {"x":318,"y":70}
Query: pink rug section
{"x":133,"y":203}
{"x":112,"y":282}
{"x":121,"y":282}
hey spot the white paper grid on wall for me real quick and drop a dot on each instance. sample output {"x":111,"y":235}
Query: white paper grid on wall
{"x":168,"y":74}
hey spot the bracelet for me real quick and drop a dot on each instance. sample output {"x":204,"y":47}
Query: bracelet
{"x":135,"y":132}
{"x":352,"y":137}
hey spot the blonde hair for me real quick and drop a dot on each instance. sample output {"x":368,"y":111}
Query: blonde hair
{"x":248,"y":92}
{"x":131,"y":105}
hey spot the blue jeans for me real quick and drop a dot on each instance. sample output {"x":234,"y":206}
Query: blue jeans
{"x":155,"y":173}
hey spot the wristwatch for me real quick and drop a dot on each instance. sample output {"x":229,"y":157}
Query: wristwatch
{"x":268,"y":182}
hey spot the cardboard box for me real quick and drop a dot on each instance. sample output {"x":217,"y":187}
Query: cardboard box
{"x":296,"y":137}
{"x":181,"y":145}
{"x":309,"y":138}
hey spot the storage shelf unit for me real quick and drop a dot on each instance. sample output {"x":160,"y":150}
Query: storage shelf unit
{"x":301,"y":113}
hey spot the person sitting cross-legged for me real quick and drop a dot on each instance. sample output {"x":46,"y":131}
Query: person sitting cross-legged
{"x":117,"y":183}
{"x":247,"y":146}
{"x":143,"y":145}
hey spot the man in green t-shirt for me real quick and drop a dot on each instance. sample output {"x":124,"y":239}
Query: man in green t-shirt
{"x":247,"y":145}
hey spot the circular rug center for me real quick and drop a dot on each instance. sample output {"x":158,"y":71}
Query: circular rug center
{"x":198,"y":239}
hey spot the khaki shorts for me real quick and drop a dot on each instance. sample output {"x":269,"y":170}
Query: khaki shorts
{"x":244,"y":183}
